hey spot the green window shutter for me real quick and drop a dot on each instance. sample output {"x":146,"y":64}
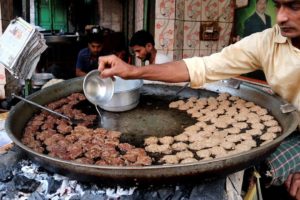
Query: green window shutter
{"x":51,"y":14}
{"x":59,"y":15}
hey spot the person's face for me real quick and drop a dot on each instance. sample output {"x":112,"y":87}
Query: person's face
{"x":261,"y":6}
{"x":95,"y":48}
{"x":143,"y":53}
{"x":288,"y":17}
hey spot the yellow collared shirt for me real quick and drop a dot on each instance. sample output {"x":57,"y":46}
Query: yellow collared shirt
{"x":267,"y":50}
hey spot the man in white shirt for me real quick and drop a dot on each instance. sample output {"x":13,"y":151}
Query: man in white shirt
{"x":143,"y":46}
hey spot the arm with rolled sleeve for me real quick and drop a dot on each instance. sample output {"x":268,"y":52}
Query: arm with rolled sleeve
{"x":239,"y":58}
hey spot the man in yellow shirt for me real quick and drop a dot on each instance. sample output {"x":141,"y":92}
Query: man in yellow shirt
{"x":276,"y":51}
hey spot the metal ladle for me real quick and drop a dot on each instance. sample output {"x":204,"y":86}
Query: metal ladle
{"x":179,"y":90}
{"x":73,"y":121}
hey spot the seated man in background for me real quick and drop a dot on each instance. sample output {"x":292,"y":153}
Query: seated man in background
{"x":87,"y":59}
{"x":142,"y":44}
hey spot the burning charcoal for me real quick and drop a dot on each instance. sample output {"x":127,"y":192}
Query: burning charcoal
{"x":182,"y":192}
{"x":43,"y":170}
{"x":166,"y":192}
{"x":22,"y":163}
{"x":8,"y":187}
{"x":25,"y":184}
{"x":5,"y":173}
{"x":75,"y":197}
{"x":53,"y":185}
{"x":9,"y":159}
{"x":88,"y":195}
{"x":36,"y":196}
{"x":150,"y":195}
{"x":129,"y":197}
{"x":10,"y":195}
{"x":209,"y":190}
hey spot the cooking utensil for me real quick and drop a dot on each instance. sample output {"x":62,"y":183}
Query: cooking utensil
{"x":73,"y":121}
{"x":125,"y":97}
{"x":116,"y":96}
{"x":96,"y":89}
{"x":39,"y":79}
{"x":179,"y":91}
{"x":20,"y":114}
{"x":183,"y":87}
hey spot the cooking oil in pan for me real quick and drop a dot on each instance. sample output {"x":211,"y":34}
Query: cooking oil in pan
{"x":152,"y":117}
{"x":99,"y":113}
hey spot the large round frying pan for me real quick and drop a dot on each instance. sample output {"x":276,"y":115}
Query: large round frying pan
{"x":22,"y":112}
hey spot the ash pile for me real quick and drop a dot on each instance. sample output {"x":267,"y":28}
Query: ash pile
{"x":21,"y":179}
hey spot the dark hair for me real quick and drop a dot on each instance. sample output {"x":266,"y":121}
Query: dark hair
{"x":141,"y":38}
{"x":95,"y":37}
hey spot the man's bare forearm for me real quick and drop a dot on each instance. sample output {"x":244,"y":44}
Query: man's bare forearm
{"x":168,"y":72}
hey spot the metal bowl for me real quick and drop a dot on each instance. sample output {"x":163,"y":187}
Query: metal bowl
{"x":126,"y":95}
{"x":96,"y":89}
{"x":39,"y":79}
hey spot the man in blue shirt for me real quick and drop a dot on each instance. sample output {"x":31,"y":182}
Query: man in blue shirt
{"x":87,"y":59}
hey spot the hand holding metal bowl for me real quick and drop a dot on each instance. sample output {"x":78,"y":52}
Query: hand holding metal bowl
{"x":112,"y":95}
{"x":97,"y":90}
